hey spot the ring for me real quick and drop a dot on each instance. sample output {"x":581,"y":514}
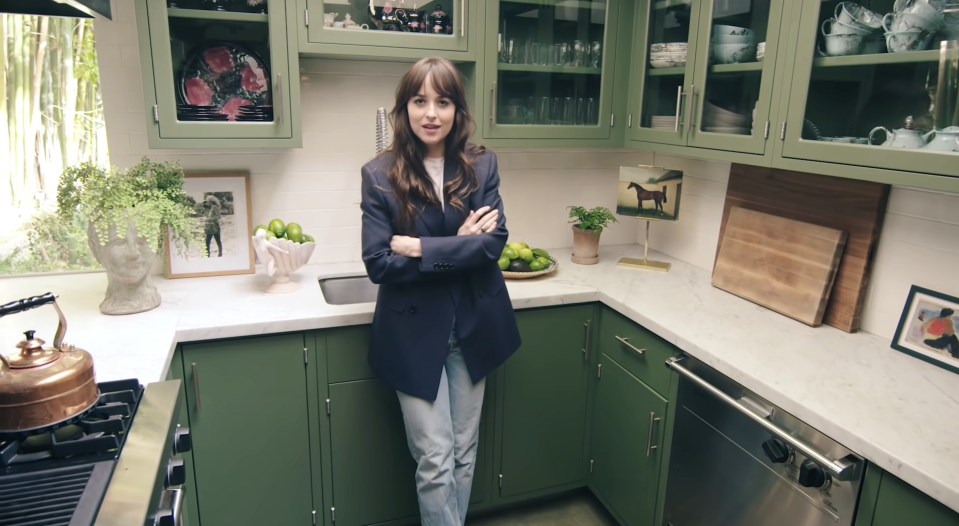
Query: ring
{"x":482,"y":229}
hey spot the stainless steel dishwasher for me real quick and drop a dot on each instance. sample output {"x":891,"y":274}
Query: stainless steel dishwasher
{"x":737,"y":460}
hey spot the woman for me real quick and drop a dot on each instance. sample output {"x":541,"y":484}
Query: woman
{"x":433,"y":230}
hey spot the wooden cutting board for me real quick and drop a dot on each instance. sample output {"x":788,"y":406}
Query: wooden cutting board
{"x":855,"y":207}
{"x":782,"y":264}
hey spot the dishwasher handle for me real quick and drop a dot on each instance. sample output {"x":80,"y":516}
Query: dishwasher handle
{"x":842,"y":469}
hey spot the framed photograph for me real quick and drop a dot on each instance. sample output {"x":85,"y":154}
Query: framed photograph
{"x":649,"y":192}
{"x":222,"y":224}
{"x":928,"y":326}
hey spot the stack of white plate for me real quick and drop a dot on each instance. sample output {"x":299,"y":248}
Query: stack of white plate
{"x":719,"y":120}
{"x":667,"y":55}
{"x":663,"y":122}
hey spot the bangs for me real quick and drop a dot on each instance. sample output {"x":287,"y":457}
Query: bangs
{"x":444,"y":78}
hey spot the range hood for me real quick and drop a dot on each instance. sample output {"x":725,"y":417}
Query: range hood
{"x":71,"y":8}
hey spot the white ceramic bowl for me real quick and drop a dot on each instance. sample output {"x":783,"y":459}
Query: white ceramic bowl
{"x":282,"y":257}
{"x":656,"y":64}
{"x":709,"y":107}
{"x":732,"y":39}
{"x":733,"y":53}
{"x":714,"y":119}
{"x":732,"y":30}
{"x":729,"y":130}
{"x":669,"y":46}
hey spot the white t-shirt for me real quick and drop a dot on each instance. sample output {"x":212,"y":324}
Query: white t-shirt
{"x":434,"y":167}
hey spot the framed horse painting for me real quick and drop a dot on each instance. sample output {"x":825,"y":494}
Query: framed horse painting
{"x":649,"y":192}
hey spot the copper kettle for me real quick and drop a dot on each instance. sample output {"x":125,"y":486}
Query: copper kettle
{"x":44,"y":388}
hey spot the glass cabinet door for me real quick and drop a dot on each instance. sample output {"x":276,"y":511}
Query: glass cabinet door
{"x":547,"y":68}
{"x":734,"y":81}
{"x":221,"y":68}
{"x":666,"y":46}
{"x":434,"y":24}
{"x":874,"y":97}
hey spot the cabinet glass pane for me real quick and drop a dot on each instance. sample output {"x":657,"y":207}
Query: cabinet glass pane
{"x":440,"y":19}
{"x":668,"y":36}
{"x":550,"y":58}
{"x":221,"y":61}
{"x":889,"y":90}
{"x":737,"y":33}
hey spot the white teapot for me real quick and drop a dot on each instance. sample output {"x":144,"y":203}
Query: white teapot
{"x":905,"y":137}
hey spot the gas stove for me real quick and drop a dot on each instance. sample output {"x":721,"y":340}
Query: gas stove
{"x":79,"y":474}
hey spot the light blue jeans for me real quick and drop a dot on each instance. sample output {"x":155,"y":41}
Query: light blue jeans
{"x":442,"y":436}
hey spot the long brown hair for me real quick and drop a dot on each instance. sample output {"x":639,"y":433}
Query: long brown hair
{"x":407,"y":175}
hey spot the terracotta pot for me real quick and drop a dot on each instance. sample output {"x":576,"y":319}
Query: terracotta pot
{"x":585,"y":246}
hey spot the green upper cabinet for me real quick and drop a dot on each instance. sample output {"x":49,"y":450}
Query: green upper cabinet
{"x":549,"y":69}
{"x":702,"y":72}
{"x":629,"y":423}
{"x":239,"y":393}
{"x":846,"y":89}
{"x":390,"y":28}
{"x":219,"y":79}
{"x":544,"y":405}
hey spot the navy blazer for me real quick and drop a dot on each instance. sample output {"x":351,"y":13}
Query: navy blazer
{"x":457,"y":277}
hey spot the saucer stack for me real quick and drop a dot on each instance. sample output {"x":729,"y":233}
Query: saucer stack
{"x":668,"y":55}
{"x":720,"y":120}
{"x":663,"y":122}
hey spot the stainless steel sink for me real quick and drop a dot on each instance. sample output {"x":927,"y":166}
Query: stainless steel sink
{"x":349,"y":290}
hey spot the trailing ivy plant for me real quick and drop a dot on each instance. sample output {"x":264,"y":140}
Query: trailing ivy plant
{"x":149,"y":194}
{"x":594,"y":219}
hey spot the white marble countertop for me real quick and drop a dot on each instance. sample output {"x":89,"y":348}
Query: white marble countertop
{"x":897,"y":411}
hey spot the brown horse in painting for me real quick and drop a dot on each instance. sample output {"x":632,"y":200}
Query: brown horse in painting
{"x":645,"y":195}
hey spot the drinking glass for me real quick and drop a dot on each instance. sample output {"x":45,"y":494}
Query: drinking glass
{"x":579,"y":53}
{"x":592,"y":118}
{"x":569,"y":111}
{"x":557,"y":59}
{"x":580,"y":111}
{"x":542,"y":111}
{"x":595,"y":54}
{"x":563,"y":54}
{"x":530,"y":110}
{"x":510,"y":51}
{"x":534,"y":53}
{"x":556,"y":111}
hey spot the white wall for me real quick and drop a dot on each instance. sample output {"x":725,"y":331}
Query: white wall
{"x":318,"y":185}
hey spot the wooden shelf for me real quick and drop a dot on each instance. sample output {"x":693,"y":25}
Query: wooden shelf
{"x":718,"y":68}
{"x":665,"y":4}
{"x":532,"y":68}
{"x":877,"y":59}
{"x":665,"y":72}
{"x":223,"y":16}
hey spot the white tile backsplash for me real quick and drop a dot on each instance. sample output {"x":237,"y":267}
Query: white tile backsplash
{"x":318,"y":185}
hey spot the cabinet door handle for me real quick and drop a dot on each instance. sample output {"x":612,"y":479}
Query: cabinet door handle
{"x":196,"y":387}
{"x":782,"y":132}
{"x":625,"y":341}
{"x":492,"y":116}
{"x":691,"y":109}
{"x":679,"y":106}
{"x":462,"y":18}
{"x":586,"y":343}
{"x":278,"y":102}
{"x":649,"y":438}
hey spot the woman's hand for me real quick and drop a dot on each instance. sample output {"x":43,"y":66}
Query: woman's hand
{"x":406,"y":246}
{"x":478,"y":223}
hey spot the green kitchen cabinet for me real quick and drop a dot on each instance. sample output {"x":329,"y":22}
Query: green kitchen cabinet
{"x":185,"y":69}
{"x":698,"y":85}
{"x":838,"y":105}
{"x":548,"y":69}
{"x":543,"y":413}
{"x":628,"y":429}
{"x":888,"y":501}
{"x":249,"y":419}
{"x":448,"y":28}
{"x":190,"y":508}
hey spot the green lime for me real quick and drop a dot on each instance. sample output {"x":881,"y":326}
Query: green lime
{"x":526,"y":255}
{"x":294,"y":233}
{"x":537,"y":265}
{"x":503,"y":263}
{"x":510,"y":253}
{"x":277,"y":227}
{"x":544,"y":261}
{"x":523,"y":245}
{"x":270,"y":234}
{"x":515,"y":246}
{"x":540,"y":252}
{"x":257,"y":228}
{"x":308,"y":239}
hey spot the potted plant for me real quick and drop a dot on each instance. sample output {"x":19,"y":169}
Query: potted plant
{"x":127,"y":213}
{"x":589,"y":226}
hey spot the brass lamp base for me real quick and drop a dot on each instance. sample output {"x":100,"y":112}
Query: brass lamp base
{"x":659,"y":266}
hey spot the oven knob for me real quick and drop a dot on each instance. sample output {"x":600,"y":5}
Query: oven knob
{"x":182,"y":440}
{"x":811,"y":475}
{"x":175,"y":473}
{"x":777,"y":451}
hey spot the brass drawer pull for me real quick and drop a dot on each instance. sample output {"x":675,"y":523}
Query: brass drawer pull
{"x":625,"y":341}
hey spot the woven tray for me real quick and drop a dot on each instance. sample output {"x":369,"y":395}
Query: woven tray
{"x":553,"y":265}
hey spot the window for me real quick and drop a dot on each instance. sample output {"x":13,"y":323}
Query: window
{"x":52,"y":118}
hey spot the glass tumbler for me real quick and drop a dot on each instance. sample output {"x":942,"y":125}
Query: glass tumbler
{"x":542,"y":110}
{"x":595,"y":54}
{"x":569,"y":111}
{"x":580,"y":51}
{"x":564,"y":54}
{"x":556,"y":111}
{"x":592,"y":119}
{"x":510,"y":51}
